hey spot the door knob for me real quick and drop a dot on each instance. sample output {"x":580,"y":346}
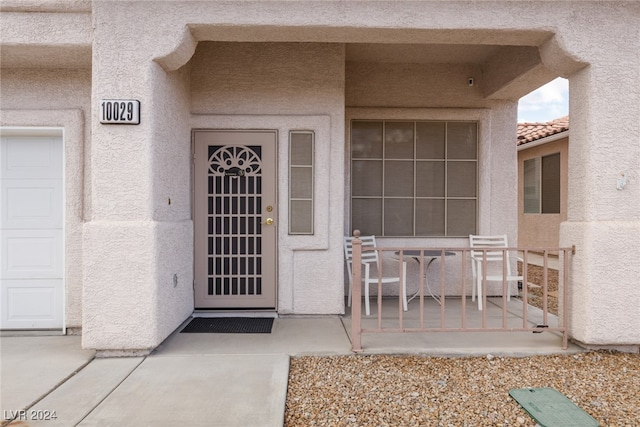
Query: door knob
{"x":269,"y":221}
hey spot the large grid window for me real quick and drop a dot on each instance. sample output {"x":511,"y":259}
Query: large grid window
{"x":414,"y":178}
{"x":542,"y":184}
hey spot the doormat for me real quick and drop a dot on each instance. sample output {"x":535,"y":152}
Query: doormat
{"x":550,"y":408}
{"x":230,"y":325}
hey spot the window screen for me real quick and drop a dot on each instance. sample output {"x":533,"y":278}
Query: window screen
{"x":414,"y":178}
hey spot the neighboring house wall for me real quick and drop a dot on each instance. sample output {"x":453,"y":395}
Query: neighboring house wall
{"x":542,"y":230}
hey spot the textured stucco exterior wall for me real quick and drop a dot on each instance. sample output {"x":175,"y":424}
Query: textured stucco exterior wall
{"x":171,"y":199}
{"x":141,"y":233}
{"x":595,"y":44}
{"x":602,"y":221}
{"x":542,"y":230}
{"x":171,"y":152}
{"x":413,"y":85}
{"x":52,"y":38}
{"x":286,"y":87}
{"x":130,"y":301}
{"x":58,"y":98}
{"x":272,"y":78}
{"x":500,"y":160}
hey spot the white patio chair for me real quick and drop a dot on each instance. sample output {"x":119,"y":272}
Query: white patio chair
{"x":494,"y":258}
{"x":370,"y":257}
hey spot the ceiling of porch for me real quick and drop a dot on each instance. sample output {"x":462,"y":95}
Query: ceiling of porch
{"x":508,"y":72}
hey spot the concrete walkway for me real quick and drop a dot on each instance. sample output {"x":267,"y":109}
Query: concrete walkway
{"x":191,"y":379}
{"x":198,"y":379}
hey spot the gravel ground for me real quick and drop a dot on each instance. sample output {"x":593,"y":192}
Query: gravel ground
{"x":429,"y":391}
{"x":535,"y":276}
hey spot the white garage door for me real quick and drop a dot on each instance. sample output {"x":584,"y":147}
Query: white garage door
{"x":31,"y":233}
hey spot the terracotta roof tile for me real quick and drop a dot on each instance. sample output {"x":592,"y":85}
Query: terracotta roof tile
{"x":528,"y":132}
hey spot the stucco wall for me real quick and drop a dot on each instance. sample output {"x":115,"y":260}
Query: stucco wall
{"x":542,"y":230}
{"x":139,"y":242}
{"x":413,"y":85}
{"x":58,"y":98}
{"x":602,"y":221}
{"x":595,"y":44}
{"x":271,"y":78}
{"x":286,"y":86}
{"x":171,"y":199}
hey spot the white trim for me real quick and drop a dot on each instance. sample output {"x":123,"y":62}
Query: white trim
{"x":64,"y":231}
{"x":545,"y":140}
{"x":31,"y":131}
{"x":70,"y":125}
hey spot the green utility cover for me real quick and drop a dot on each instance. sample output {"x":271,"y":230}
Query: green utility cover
{"x":550,"y":408}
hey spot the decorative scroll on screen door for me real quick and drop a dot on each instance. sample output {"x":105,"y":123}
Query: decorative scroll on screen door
{"x":234,"y":212}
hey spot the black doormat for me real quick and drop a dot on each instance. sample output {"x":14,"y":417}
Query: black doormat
{"x":230,"y":325}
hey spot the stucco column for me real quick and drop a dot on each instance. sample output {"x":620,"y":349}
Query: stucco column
{"x":138,"y":243}
{"x":503,"y":163}
{"x":603,"y":218}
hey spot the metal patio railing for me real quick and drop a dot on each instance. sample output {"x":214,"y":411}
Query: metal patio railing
{"x":519,"y":315}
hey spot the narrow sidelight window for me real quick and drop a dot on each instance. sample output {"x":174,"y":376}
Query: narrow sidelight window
{"x":301,"y":153}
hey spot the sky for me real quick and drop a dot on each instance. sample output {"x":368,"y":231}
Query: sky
{"x":547,"y":103}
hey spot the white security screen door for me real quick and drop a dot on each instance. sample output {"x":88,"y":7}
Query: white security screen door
{"x":235,"y":216}
{"x":31,"y":232}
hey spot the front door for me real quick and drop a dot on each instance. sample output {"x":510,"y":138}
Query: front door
{"x":31,"y":232}
{"x":235,"y":214}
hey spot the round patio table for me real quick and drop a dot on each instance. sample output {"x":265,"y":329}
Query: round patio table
{"x":431,"y":255}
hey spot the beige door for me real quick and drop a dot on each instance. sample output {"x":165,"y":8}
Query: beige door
{"x":235,"y":214}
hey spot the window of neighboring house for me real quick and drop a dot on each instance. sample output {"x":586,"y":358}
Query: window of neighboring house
{"x":542,"y":184}
{"x":414,"y":178}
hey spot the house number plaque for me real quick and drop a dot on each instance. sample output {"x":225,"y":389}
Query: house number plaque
{"x":120,"y":111}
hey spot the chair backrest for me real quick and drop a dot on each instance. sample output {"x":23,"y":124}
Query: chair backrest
{"x":498,"y":241}
{"x":487,"y":242}
{"x":368,"y":256}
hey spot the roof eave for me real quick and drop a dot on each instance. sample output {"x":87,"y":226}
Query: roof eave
{"x":545,"y":140}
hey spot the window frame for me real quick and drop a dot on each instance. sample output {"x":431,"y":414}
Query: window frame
{"x":311,"y":199}
{"x":540,"y":184}
{"x":447,"y":160}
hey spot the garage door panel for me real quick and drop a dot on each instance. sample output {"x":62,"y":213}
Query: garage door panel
{"x":32,"y":254}
{"x":25,"y":157}
{"x":32,"y":204}
{"x":31,"y":232}
{"x":28,"y":304}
